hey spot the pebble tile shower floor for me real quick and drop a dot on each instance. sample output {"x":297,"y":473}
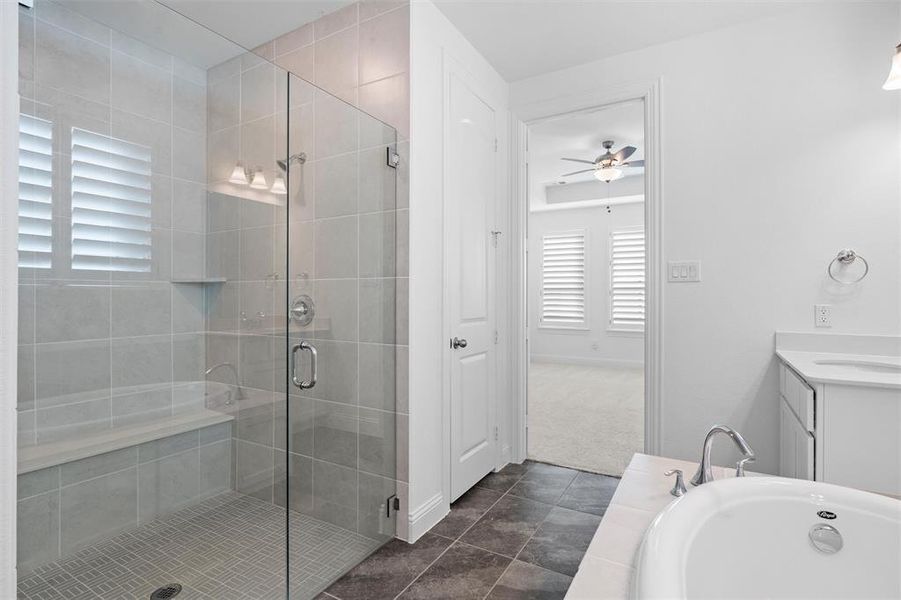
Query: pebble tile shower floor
{"x":227,"y":547}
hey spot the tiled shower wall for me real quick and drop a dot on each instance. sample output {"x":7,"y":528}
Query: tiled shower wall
{"x":361,"y":53}
{"x":103,"y":348}
{"x":346,"y":214}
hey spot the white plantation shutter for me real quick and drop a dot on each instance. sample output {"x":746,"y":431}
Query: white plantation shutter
{"x":627,"y":279}
{"x":111,"y":197}
{"x":35,"y":192}
{"x":563,"y":279}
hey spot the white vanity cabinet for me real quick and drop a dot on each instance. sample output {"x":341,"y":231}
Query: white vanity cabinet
{"x":837,"y":424}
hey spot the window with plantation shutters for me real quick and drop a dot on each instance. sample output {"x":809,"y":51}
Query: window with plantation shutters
{"x":111,"y":195}
{"x":35,"y":192}
{"x":627,"y":279}
{"x":563,"y":280}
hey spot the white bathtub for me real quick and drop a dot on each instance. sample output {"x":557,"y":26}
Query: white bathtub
{"x":749,"y":538}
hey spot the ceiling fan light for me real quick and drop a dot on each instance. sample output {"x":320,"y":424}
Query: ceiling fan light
{"x":258,"y":181}
{"x":894,"y":76}
{"x":239,"y":175}
{"x":608,"y":174}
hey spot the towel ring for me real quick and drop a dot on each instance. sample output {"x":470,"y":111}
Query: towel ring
{"x":847,"y":257}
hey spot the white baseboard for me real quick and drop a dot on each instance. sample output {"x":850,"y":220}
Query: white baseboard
{"x":426,"y":516}
{"x":587,"y":362}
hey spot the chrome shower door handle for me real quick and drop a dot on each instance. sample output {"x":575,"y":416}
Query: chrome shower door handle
{"x":314,"y":365}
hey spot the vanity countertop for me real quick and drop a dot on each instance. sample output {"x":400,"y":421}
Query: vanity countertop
{"x":844,"y":359}
{"x":608,"y":565}
{"x":845,"y":369}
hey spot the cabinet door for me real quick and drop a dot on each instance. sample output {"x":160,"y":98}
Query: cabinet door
{"x":796,"y":446}
{"x":786,"y":440}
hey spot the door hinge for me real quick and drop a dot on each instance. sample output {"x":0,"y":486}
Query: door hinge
{"x":496,"y":436}
{"x":393,"y":158}
{"x":393,"y":502}
{"x":496,"y":336}
{"x":495,"y":144}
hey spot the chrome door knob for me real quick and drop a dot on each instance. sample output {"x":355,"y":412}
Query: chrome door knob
{"x":458,"y":343}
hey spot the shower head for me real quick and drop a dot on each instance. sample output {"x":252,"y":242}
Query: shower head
{"x":300,"y":157}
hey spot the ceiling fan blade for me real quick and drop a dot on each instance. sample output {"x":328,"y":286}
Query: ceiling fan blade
{"x":576,"y":172}
{"x":633,"y":163}
{"x":624,"y":154}
{"x":579,"y":160}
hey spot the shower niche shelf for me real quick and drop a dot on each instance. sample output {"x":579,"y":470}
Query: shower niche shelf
{"x":200,"y":280}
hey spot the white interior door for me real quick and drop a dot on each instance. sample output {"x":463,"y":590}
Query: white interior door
{"x":470,"y":191}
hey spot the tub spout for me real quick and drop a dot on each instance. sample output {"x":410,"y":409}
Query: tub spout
{"x":705,"y":471}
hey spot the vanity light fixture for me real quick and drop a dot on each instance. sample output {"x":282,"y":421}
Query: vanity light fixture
{"x":607,"y":174}
{"x":894,"y":75}
{"x":239,"y":174}
{"x":258,"y":181}
{"x":278,"y":186}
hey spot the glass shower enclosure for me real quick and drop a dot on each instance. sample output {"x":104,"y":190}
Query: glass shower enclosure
{"x":206,"y":315}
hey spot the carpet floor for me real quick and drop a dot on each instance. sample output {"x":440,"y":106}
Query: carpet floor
{"x":583,"y":417}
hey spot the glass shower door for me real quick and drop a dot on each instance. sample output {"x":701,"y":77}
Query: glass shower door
{"x":341,"y":297}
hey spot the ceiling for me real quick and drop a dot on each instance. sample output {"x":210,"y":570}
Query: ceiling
{"x":526,"y":38}
{"x":214,"y":32}
{"x":580,"y":135}
{"x":254,"y":22}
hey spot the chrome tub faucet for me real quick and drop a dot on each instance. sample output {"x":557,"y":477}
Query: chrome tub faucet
{"x":705,"y":471}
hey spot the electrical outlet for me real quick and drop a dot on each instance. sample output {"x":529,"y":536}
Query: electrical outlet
{"x":595,"y":346}
{"x":822,"y":315}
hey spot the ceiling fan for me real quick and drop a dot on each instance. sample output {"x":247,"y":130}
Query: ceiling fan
{"x":608,"y":166}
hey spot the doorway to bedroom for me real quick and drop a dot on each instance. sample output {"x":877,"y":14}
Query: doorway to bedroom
{"x":586,"y":288}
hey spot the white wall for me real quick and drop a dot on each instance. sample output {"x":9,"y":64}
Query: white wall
{"x":594,"y":345}
{"x":433,"y":40}
{"x":9,"y":164}
{"x":779,"y":148}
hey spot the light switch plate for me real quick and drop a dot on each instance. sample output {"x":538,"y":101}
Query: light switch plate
{"x":683,"y":271}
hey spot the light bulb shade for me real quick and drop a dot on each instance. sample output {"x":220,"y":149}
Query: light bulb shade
{"x":278,"y":186}
{"x":239,"y":175}
{"x":608,"y":174}
{"x":894,"y":76}
{"x":258,"y":181}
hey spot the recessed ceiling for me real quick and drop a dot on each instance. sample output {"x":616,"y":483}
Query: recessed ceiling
{"x":524,"y":39}
{"x":579,"y":135}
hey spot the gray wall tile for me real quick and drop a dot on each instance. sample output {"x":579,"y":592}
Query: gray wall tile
{"x":141,"y":361}
{"x":39,"y":517}
{"x":378,"y":442}
{"x":141,"y":309}
{"x":335,"y":433}
{"x":95,"y":466}
{"x":37,"y":482}
{"x":168,"y":484}
{"x":98,"y":508}
{"x":72,"y":312}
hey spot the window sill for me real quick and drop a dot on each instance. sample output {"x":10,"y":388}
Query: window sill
{"x":565,"y":328}
{"x":636,"y":333}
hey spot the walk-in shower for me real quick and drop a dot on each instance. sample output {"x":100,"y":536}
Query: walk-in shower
{"x":178,"y":196}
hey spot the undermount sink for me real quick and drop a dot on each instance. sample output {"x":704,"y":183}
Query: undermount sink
{"x":775,"y":538}
{"x":863,"y":365}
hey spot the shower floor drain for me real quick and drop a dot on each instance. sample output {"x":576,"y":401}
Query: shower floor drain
{"x":167,"y":591}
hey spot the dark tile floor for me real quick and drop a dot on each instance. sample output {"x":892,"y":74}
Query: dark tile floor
{"x":518,"y":534}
